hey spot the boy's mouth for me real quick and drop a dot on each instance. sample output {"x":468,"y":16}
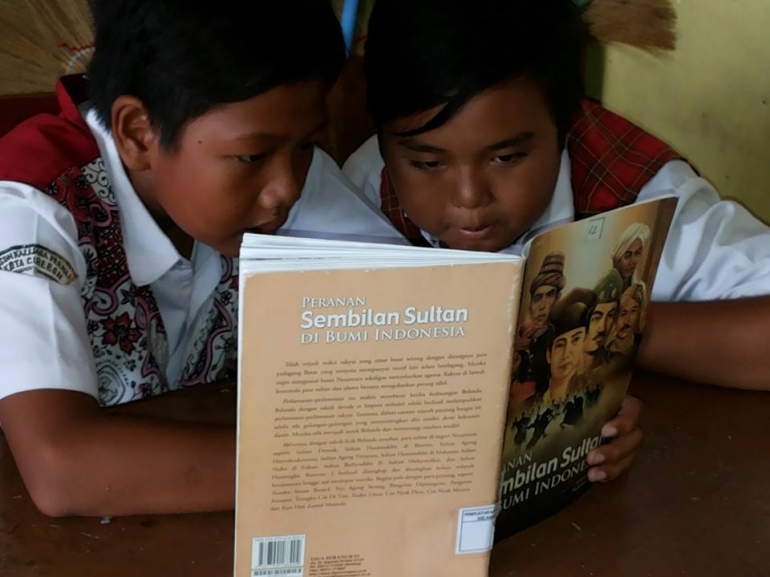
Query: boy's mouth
{"x":269,"y":227}
{"x":475,"y":232}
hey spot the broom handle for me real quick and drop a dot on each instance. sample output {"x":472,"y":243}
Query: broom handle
{"x":348,"y":21}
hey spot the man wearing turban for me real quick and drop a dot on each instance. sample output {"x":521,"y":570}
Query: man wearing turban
{"x":544,"y":291}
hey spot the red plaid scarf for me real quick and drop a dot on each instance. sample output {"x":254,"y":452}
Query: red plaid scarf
{"x":612,"y":159}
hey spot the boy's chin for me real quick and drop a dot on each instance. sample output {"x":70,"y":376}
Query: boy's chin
{"x":229,"y":248}
{"x":232,"y":247}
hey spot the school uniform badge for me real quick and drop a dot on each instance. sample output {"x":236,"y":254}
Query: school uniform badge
{"x":38,"y":260}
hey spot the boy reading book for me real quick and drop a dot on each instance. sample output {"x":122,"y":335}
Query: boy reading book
{"x":485,"y":139}
{"x":120,"y":221}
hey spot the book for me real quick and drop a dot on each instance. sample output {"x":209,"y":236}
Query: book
{"x":381,"y":389}
{"x":581,"y":319}
{"x":371,"y":412}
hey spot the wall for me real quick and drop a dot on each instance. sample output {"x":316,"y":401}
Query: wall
{"x":710,"y":99}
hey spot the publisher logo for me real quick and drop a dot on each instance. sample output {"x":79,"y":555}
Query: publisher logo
{"x":37,"y":260}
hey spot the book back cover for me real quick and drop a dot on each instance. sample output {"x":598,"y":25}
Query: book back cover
{"x":371,"y":415}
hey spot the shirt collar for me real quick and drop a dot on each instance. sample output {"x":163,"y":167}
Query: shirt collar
{"x":149,"y":252}
{"x":561,"y":210}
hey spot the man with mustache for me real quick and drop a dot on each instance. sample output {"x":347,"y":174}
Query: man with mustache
{"x":628,"y":334}
{"x":602,"y":320}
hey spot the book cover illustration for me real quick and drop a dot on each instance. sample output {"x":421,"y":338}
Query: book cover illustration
{"x":581,"y":319}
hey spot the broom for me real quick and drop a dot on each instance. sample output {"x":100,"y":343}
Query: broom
{"x":41,"y":40}
{"x":646,"y":24}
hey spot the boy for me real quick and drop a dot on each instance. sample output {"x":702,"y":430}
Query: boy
{"x":487,"y":141}
{"x":120,"y":221}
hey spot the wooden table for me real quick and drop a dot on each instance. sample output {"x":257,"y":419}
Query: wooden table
{"x":695,"y":504}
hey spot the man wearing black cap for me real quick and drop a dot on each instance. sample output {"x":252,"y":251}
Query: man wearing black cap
{"x":569,"y":320}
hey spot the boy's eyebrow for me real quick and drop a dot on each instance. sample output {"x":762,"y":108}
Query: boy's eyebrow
{"x":517,"y":140}
{"x":320,"y":127}
{"x":418,"y":146}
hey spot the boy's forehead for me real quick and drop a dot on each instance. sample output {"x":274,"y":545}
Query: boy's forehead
{"x":503,"y":112}
{"x":287,"y":111}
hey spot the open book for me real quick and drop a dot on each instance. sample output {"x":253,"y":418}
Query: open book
{"x":394,"y":401}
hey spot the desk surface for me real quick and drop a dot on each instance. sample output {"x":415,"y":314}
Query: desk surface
{"x":694,"y":504}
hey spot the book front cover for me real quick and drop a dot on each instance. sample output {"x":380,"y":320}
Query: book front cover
{"x":585,"y":293}
{"x":371,"y":415}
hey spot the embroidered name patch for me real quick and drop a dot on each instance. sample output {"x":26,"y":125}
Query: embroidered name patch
{"x":37,"y":260}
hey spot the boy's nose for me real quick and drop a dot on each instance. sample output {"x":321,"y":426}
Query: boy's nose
{"x":283,"y":189}
{"x":472,"y":189}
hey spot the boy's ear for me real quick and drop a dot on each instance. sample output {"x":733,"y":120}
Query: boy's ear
{"x":133,"y":133}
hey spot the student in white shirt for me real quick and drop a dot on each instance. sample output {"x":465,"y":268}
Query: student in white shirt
{"x":120,"y":224}
{"x":485,"y":139}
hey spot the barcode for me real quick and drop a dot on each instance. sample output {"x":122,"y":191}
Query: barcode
{"x":278,"y":556}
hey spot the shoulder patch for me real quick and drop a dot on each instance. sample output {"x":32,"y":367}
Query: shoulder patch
{"x":38,"y":260}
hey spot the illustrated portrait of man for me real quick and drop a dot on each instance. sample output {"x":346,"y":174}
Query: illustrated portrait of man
{"x":602,"y":319}
{"x":569,"y":320}
{"x":545,"y":291}
{"x":628,"y":332}
{"x":546,"y":288}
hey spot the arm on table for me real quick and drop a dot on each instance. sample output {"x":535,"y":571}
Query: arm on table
{"x":77,"y":460}
{"x":720,"y":343}
{"x":710,"y":317}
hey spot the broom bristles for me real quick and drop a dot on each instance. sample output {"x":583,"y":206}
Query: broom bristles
{"x":41,"y":40}
{"x":646,"y":24}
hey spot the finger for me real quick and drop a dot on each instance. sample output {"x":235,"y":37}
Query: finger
{"x":626,"y":420}
{"x":617,"y":450}
{"x":611,"y":472}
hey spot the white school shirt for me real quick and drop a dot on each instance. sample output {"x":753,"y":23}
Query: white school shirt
{"x":44,"y":342}
{"x":716,"y":249}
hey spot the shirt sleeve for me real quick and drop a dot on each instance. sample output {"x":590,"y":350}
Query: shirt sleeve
{"x":364,"y":169}
{"x":716,"y":249}
{"x":44,"y":343}
{"x":331,"y":206}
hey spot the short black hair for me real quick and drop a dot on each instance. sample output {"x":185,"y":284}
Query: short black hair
{"x":421,"y":54}
{"x":183,"y":58}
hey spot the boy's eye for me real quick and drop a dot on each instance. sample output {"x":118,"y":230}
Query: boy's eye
{"x":508,"y":159}
{"x":426,"y":166}
{"x":251,"y":158}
